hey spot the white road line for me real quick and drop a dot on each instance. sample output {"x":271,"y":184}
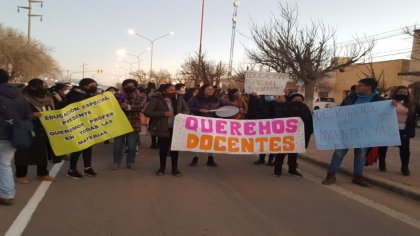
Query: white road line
{"x":365,"y":201}
{"x":25,"y":215}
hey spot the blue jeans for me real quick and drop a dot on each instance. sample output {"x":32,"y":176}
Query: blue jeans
{"x":359,"y":160}
{"x":131,"y":139}
{"x":7,"y":183}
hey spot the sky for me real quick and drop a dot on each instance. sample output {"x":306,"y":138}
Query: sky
{"x":91,"y":32}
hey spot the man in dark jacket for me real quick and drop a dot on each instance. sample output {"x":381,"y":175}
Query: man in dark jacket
{"x":12,"y":106}
{"x":87,"y":88}
{"x":365,"y":92}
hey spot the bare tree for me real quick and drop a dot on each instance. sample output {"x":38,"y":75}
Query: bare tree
{"x":28,"y":59}
{"x":196,"y":71}
{"x":307,"y":52}
{"x":162,"y":77}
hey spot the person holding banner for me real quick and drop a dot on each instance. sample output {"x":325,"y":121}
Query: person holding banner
{"x":39,"y":98}
{"x":131,"y":102}
{"x":294,"y":107}
{"x":87,"y":88}
{"x":261,"y":107}
{"x":162,"y":107}
{"x":365,"y":92}
{"x":201,"y":105}
{"x":406,"y":116}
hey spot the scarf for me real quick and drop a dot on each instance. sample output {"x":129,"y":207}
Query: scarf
{"x":41,"y":103}
{"x":364,"y":99}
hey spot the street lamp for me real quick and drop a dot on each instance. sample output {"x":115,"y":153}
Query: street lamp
{"x":132,"y":32}
{"x":130,"y":64}
{"x":122,"y":52}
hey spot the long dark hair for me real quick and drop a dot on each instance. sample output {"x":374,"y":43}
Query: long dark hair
{"x":409,"y":103}
{"x":201,"y":95}
{"x":231,"y":94}
{"x":35,"y":88}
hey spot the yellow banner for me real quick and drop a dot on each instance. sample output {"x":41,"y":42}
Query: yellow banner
{"x":82,"y":124}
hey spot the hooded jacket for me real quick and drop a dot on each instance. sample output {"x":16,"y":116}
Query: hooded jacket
{"x":12,"y":106}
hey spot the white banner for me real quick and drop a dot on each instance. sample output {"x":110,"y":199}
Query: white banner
{"x":213,"y":135}
{"x":265,"y":83}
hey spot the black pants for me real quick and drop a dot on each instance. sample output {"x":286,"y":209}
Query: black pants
{"x":279,"y":159}
{"x":164,"y":146}
{"x":404,"y":151}
{"x":22,"y":171}
{"x":87,"y":158}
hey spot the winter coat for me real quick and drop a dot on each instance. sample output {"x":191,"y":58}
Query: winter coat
{"x":12,"y":106}
{"x":38,"y":153}
{"x":196,"y":103}
{"x":156,"y":108}
{"x":259,"y":108}
{"x":296,"y":109}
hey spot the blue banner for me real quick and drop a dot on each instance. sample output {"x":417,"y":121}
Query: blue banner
{"x":371,"y":124}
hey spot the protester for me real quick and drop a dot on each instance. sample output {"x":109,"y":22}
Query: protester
{"x":59,"y":92}
{"x":365,"y":92}
{"x":261,"y":107}
{"x":87,"y":88}
{"x":294,"y":108}
{"x":200,"y":105}
{"x":12,"y":106}
{"x":132,"y":102}
{"x":163,"y":106}
{"x":189,"y":93}
{"x":151,"y":87}
{"x":39,"y":98}
{"x":233,"y":98}
{"x":406,"y":114}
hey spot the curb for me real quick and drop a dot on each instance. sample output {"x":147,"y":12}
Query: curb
{"x":404,"y":190}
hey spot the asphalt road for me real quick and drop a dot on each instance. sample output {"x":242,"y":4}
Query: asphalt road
{"x":236,"y":198}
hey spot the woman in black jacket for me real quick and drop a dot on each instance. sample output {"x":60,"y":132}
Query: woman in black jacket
{"x":36,"y":92}
{"x":163,"y":106}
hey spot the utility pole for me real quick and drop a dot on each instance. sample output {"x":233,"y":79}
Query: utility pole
{"x":30,"y":15}
{"x":232,"y":42}
{"x":200,"y":62}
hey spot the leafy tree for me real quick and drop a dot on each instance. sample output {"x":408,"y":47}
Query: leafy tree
{"x":28,"y":59}
{"x":307,"y":52}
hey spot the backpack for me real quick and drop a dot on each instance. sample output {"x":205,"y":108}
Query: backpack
{"x":21,"y":130}
{"x":372,"y":156}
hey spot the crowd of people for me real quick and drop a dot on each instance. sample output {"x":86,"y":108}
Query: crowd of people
{"x":160,"y":105}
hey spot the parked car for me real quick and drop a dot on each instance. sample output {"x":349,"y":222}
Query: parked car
{"x":323,"y":102}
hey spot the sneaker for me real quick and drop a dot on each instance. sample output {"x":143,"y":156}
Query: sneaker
{"x":131,"y":166}
{"x":160,"y":172}
{"x":212,"y":163}
{"x":295,"y":173}
{"x":176,"y":173}
{"x":45,"y":178}
{"x":116,"y":166}
{"x":360,"y":181}
{"x":277,"y":174}
{"x":89,"y":172}
{"x":194,"y":161}
{"x":22,"y":180}
{"x":6,"y":202}
{"x":74,"y":174}
{"x":259,"y":162}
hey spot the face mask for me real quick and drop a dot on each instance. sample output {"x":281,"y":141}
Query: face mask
{"x":269,"y":98}
{"x":92,"y":90}
{"x":65,"y":92}
{"x":129,"y":90}
{"x":401,"y":97}
{"x":181,"y":90}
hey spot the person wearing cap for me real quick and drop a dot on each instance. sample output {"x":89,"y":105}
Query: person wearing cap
{"x":294,"y":107}
{"x":87,"y":88}
{"x":365,"y":92}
